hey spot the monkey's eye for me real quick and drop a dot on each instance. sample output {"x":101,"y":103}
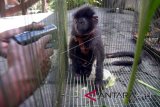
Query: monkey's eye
{"x":81,"y":22}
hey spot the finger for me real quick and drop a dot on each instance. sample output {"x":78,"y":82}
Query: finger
{"x":39,"y":25}
{"x":36,"y":26}
{"x":3,"y":49}
{"x":15,"y":48}
{"x":48,"y":52}
{"x":45,"y":39}
{"x":4,"y":44}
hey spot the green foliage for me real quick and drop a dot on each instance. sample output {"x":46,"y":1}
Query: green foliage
{"x":94,"y":2}
{"x":157,"y":91}
{"x":75,"y":3}
{"x":36,"y":6}
{"x":147,"y":11}
{"x":52,"y":4}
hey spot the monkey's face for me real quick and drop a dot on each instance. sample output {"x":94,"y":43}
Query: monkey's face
{"x":83,"y":25}
{"x":84,"y":21}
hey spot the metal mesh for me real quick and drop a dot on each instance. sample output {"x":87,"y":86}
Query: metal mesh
{"x":45,"y":95}
{"x":117,"y":30}
{"x":118,"y":22}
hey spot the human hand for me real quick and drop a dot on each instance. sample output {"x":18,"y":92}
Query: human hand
{"x":27,"y":68}
{"x":31,"y":60}
{"x":5,"y":36}
{"x":35,"y":26}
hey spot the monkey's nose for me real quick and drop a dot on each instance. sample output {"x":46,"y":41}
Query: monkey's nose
{"x":81,"y":22}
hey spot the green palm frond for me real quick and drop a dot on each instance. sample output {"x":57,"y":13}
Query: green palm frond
{"x":147,"y":11}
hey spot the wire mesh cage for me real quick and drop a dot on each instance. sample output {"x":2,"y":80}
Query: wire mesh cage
{"x":57,"y":85}
{"x":152,"y":40}
{"x":118,"y":23}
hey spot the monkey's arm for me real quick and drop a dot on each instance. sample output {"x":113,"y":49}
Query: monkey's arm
{"x":72,"y":48}
{"x":99,"y":55}
{"x":72,"y":54}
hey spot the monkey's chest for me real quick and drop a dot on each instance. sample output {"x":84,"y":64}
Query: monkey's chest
{"x":85,"y":61}
{"x":85,"y":54}
{"x":84,"y":49}
{"x":83,"y":45}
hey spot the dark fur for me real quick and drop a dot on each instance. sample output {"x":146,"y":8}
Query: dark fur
{"x":122,"y":54}
{"x":82,"y":63}
{"x":86,"y":12}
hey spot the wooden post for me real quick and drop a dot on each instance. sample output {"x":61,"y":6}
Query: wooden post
{"x":2,"y":8}
{"x":43,"y":5}
{"x":23,"y":7}
{"x":61,"y":9}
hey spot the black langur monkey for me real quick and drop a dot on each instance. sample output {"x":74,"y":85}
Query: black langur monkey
{"x":86,"y":45}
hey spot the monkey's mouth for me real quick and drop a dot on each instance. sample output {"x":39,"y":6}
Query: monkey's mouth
{"x":82,"y":30}
{"x":84,"y":33}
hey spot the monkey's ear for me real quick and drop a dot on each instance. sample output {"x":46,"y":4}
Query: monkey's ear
{"x":95,"y":19}
{"x":75,"y":21}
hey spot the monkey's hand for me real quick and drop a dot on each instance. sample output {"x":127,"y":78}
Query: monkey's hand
{"x":99,"y":85}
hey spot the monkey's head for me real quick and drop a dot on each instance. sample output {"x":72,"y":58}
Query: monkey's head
{"x":85,"y":20}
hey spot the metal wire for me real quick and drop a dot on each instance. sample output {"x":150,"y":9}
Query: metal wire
{"x":117,"y":36}
{"x":117,"y":28}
